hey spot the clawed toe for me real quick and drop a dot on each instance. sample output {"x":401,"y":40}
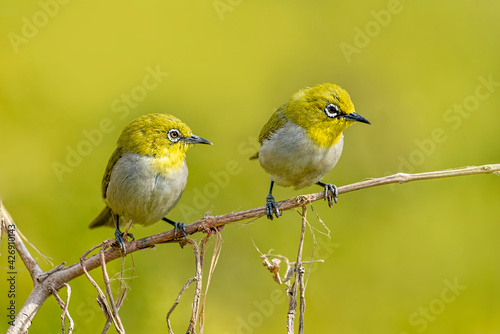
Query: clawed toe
{"x":331,"y":192}
{"x":182,"y":227}
{"x":119,"y":240}
{"x":272,"y":207}
{"x":177,"y":226}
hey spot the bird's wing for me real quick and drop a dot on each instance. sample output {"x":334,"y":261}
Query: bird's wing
{"x":117,"y":154}
{"x":276,"y":121}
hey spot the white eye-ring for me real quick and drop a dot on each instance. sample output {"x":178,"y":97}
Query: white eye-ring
{"x":174,"y":135}
{"x":332,"y":110}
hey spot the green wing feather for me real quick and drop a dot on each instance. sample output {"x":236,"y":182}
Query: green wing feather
{"x":276,"y":121}
{"x":117,"y":154}
{"x":105,"y":218}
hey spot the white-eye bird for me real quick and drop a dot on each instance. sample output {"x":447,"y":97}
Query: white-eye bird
{"x":147,"y":173}
{"x":303,"y":140}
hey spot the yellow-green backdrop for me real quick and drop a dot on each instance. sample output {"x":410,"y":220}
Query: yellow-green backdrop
{"x":412,"y":258}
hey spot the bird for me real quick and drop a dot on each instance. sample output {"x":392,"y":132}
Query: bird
{"x":303,"y":139}
{"x":146,"y":174}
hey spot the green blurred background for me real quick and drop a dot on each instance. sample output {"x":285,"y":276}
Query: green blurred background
{"x":68,"y":68}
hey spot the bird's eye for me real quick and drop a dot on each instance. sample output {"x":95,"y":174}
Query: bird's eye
{"x":332,"y":110}
{"x":174,"y":135}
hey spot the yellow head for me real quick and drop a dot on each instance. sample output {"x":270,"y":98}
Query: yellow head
{"x":158,"y":135}
{"x":324,"y":111}
{"x":162,"y":136}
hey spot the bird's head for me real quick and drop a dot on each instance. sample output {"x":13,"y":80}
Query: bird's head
{"x":324,"y":111}
{"x":160,"y":136}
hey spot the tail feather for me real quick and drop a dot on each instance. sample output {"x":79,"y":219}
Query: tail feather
{"x":105,"y":218}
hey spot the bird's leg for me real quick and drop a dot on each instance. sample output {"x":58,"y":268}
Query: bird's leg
{"x":331,"y":192}
{"x":271,"y":205}
{"x":118,"y":233}
{"x":177,"y":225}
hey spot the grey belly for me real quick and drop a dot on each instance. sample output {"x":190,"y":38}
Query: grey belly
{"x":136,"y":193}
{"x":293,"y":159}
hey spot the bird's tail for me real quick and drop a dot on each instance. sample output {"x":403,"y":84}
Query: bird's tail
{"x":105,"y":218}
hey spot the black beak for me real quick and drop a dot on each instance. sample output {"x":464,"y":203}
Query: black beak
{"x":197,"y":140}
{"x":357,"y":118}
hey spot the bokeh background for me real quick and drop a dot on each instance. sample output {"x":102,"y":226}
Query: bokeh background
{"x":413,"y":258}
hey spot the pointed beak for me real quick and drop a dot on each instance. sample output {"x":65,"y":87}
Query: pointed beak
{"x":197,"y":140}
{"x":356,"y":118}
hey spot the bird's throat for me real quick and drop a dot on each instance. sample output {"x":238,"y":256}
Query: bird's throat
{"x":167,"y":164}
{"x":325,"y":136}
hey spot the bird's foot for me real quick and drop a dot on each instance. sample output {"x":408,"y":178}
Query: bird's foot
{"x":180,"y":226}
{"x":119,"y":239}
{"x":331,"y":192}
{"x":272,"y":207}
{"x":177,"y":226}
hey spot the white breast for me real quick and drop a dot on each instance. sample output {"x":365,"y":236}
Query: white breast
{"x":136,"y":193}
{"x":293,"y":159}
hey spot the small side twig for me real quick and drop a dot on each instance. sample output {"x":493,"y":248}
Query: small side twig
{"x":114,"y":309}
{"x":65,"y":314}
{"x":101,"y":298}
{"x":292,"y":302}
{"x":196,"y":301}
{"x":176,"y":302}
{"x":123,"y":288}
{"x":46,"y":274}
{"x":15,"y":237}
{"x":302,"y":293}
{"x":315,"y":242}
{"x":197,"y":294}
{"x":213,"y":264}
{"x":300,"y":272}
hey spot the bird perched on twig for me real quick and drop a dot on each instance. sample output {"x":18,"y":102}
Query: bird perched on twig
{"x":147,"y":173}
{"x":303,"y":140}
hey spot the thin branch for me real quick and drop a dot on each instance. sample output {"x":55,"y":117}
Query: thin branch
{"x":300,"y":272}
{"x":213,"y":264}
{"x":120,"y":295}
{"x":65,"y":306}
{"x":198,"y":290}
{"x":302,"y":298}
{"x":25,"y":316}
{"x":57,"y":279}
{"x":46,"y":274}
{"x":292,"y":303}
{"x":123,"y":288}
{"x":327,"y":233}
{"x":314,"y":243}
{"x":114,"y":309}
{"x":14,"y":235}
{"x":101,"y":297}
{"x":197,"y":295}
{"x":176,"y":302}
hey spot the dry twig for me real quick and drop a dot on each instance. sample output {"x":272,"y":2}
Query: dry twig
{"x":292,"y":294}
{"x":196,"y":301}
{"x":213,"y":264}
{"x":109,"y":311}
{"x":114,"y":308}
{"x":300,"y":273}
{"x":65,"y":306}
